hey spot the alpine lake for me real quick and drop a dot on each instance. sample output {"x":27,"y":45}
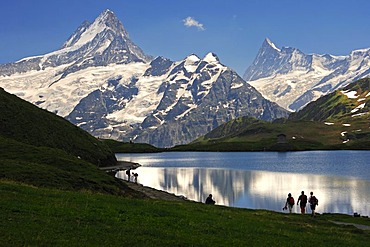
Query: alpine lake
{"x":261,"y":180}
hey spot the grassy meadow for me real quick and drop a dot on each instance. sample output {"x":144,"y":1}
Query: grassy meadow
{"x":32,"y":216}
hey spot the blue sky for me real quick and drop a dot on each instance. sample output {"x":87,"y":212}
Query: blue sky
{"x":233,"y":29}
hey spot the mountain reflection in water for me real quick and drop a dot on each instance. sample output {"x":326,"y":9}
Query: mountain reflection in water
{"x":259,"y":189}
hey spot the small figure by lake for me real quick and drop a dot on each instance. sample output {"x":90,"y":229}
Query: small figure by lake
{"x":128,"y":173}
{"x":210,"y":200}
{"x":135,"y":177}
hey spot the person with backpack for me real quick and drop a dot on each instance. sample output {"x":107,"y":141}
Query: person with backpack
{"x":302,"y":200}
{"x":289,"y":203}
{"x":313,"y":203}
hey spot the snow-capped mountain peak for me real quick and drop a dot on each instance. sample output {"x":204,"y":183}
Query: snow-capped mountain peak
{"x":293,"y":79}
{"x":103,"y":42}
{"x":191,"y":62}
{"x":268,"y":43}
{"x":87,"y":32}
{"x":211,"y":58}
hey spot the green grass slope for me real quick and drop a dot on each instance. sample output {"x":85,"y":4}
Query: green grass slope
{"x":41,"y":149}
{"x":44,"y":217}
{"x":335,"y":121}
{"x":337,"y":106}
{"x":26,"y":123}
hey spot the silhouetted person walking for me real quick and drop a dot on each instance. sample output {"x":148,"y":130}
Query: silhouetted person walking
{"x":302,"y":200}
{"x":313,"y":203}
{"x":289,"y":203}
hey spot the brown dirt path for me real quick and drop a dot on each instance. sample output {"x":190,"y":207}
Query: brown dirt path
{"x":362,"y":227}
{"x":155,"y":194}
{"x":147,"y":191}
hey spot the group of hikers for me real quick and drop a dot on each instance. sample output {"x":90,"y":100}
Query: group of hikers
{"x":302,"y":201}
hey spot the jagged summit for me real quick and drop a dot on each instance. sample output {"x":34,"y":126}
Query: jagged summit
{"x":211,"y":58}
{"x":106,"y":40}
{"x":266,"y":57}
{"x":103,"y":42}
{"x":192,"y":58}
{"x":208,"y":58}
{"x":106,"y":21}
{"x":267,"y":43}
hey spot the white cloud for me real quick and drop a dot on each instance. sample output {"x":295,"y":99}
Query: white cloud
{"x":191,"y":22}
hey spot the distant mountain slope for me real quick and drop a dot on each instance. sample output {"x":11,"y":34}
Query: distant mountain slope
{"x":102,"y":82}
{"x":351,"y":102}
{"x":340,"y":120}
{"x":292,"y":79}
{"x":26,"y":123}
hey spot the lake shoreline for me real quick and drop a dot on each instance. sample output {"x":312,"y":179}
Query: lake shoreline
{"x":252,"y":176}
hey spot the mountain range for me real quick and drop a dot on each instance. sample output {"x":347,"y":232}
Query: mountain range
{"x":339,"y":120}
{"x":292,"y":79}
{"x":104,"y":83}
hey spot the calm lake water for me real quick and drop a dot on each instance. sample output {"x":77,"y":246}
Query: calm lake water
{"x":261,"y":180}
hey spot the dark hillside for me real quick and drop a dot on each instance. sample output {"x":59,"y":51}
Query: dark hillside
{"x":26,"y":123}
{"x":41,"y":149}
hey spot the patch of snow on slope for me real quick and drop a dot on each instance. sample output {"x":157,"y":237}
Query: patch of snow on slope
{"x":272,"y":44}
{"x":360,"y":114}
{"x":90,"y":33}
{"x":359,"y":107}
{"x":236,"y":85}
{"x":350,"y":94}
{"x":143,"y":103}
{"x":191,"y":107}
{"x":191,"y":63}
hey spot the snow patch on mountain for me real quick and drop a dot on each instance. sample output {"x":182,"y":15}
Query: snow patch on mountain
{"x":350,"y":94}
